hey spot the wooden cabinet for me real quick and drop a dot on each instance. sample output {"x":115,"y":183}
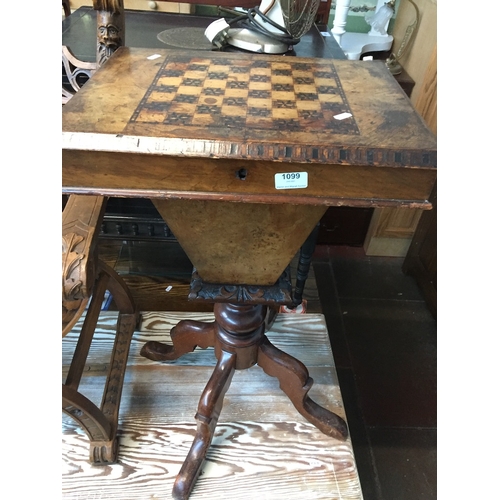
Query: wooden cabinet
{"x":189,"y":7}
{"x":391,"y":231}
{"x":421,"y":259}
{"x":173,"y":7}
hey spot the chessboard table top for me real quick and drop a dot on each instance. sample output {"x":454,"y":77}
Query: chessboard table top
{"x":229,"y":106}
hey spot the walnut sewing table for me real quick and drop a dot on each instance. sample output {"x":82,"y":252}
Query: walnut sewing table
{"x":242,"y":154}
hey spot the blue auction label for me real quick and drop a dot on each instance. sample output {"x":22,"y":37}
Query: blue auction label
{"x":290,"y":180}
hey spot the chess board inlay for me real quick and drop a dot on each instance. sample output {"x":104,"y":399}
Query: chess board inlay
{"x":246,"y":93}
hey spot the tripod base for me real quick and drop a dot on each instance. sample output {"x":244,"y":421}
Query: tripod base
{"x":239,"y":341}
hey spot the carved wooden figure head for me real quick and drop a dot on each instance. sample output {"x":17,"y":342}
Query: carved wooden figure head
{"x":110,"y":28}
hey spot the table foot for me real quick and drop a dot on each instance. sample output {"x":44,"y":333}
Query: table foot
{"x":103,"y":453}
{"x":295,"y":382}
{"x":186,"y":336}
{"x":209,"y":409}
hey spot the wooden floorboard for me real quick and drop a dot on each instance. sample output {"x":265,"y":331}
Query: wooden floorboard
{"x":263,"y":448}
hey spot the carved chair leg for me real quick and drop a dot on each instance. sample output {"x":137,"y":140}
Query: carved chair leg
{"x":295,"y":383}
{"x":99,"y":429}
{"x":86,"y":278}
{"x":86,"y":413}
{"x":112,"y":394}
{"x":86,"y":334}
{"x":97,"y":426}
{"x":207,"y":417}
{"x":186,"y":336}
{"x":100,"y":424}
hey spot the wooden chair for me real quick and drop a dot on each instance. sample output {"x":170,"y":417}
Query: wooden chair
{"x":77,"y":73}
{"x":85,"y":280}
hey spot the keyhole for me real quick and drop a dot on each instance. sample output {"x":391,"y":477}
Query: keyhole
{"x":241,"y":174}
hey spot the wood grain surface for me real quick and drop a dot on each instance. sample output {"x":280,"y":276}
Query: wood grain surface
{"x":162,"y":97}
{"x":185,"y":125}
{"x":262,"y":447}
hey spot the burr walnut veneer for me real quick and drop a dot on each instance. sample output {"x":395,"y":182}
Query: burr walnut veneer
{"x":242,"y":154}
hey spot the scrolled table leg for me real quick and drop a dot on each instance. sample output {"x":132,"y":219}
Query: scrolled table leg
{"x":186,"y":336}
{"x":207,"y":417}
{"x":295,"y":382}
